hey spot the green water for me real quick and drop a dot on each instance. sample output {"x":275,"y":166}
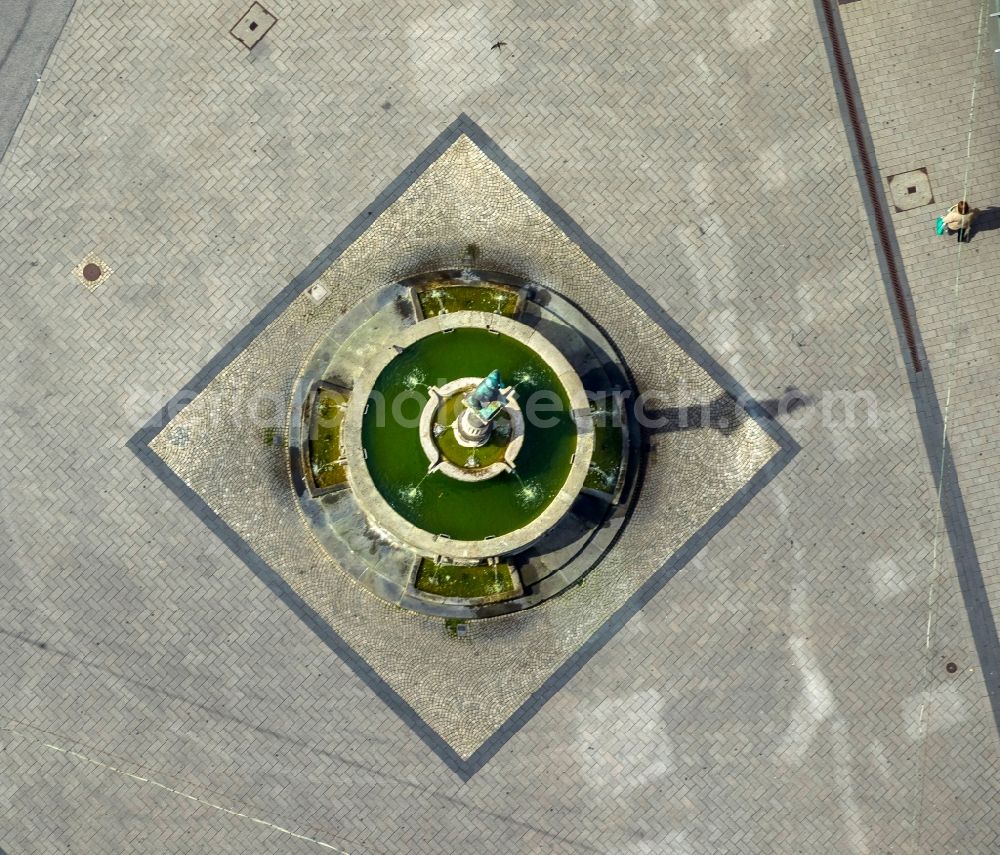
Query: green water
{"x":437,"y":503}
{"x":606,"y":462}
{"x":448,"y":580}
{"x":439,"y":297}
{"x":324,"y":444}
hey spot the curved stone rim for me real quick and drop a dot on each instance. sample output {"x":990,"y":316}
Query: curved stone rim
{"x":439,"y":463}
{"x":389,"y":521}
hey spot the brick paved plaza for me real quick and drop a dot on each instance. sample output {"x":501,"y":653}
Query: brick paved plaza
{"x":804,"y":661}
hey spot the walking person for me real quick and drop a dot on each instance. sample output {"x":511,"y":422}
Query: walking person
{"x":958,"y":221}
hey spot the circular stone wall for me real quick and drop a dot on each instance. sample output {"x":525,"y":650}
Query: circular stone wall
{"x":444,"y":450}
{"x":431,"y":513}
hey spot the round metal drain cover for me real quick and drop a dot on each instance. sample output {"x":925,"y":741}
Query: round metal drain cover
{"x":92,"y":272}
{"x":951,"y":667}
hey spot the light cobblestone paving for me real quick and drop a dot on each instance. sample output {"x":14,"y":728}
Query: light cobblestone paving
{"x":777,"y":695}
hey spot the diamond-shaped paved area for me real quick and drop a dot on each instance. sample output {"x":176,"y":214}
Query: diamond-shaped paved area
{"x":781,"y":693}
{"x":464,"y":690}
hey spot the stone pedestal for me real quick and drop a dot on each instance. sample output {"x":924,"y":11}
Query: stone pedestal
{"x":471,"y":431}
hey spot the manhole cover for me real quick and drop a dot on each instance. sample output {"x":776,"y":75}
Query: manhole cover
{"x":92,"y":271}
{"x":910,"y":190}
{"x":951,"y":667}
{"x":253,"y":26}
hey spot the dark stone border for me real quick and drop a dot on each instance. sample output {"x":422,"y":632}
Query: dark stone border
{"x":465,"y":769}
{"x":918,"y":370}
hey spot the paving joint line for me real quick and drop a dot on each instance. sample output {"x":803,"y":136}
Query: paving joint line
{"x":930,"y":418}
{"x":932,"y":598}
{"x":197,"y":799}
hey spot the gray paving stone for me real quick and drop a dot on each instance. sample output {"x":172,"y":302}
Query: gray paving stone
{"x":952,"y":285}
{"x":768,"y":699}
{"x":30,"y":30}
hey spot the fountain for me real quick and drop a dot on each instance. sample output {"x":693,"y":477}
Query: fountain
{"x":464,"y":435}
{"x":471,"y":413}
{"x":421,"y":447}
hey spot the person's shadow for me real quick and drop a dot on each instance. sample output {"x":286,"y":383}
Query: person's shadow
{"x":986,"y":220}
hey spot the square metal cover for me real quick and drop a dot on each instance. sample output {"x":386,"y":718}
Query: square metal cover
{"x":910,"y":190}
{"x":253,"y":26}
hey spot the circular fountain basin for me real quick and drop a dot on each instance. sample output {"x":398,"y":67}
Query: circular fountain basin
{"x":466,"y":519}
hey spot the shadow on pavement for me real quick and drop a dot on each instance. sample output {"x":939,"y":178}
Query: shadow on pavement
{"x":986,"y":220}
